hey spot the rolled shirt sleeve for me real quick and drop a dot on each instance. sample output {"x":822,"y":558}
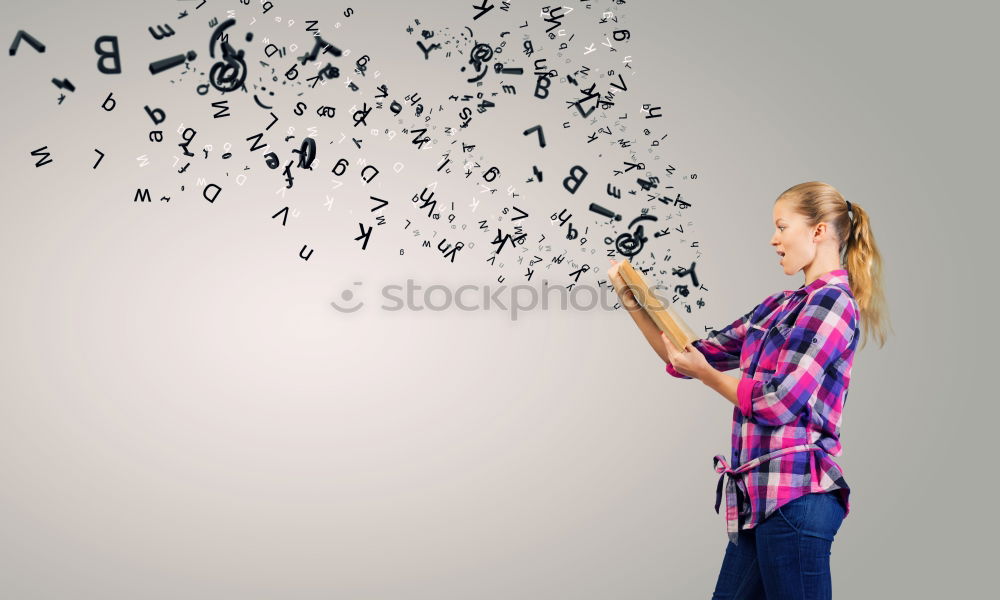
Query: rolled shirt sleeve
{"x":822,"y":332}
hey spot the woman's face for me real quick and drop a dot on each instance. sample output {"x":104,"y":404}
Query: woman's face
{"x":792,"y":238}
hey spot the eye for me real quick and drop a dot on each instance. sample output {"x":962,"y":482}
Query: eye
{"x":781,"y":227}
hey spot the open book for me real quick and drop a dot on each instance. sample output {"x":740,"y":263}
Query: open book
{"x":678,"y":332}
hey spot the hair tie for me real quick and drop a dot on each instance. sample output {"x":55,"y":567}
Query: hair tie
{"x":848,"y":205}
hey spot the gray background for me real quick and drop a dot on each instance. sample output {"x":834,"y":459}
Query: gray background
{"x":184,"y":415}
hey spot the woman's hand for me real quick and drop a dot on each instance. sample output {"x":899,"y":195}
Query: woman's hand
{"x":614,"y":275}
{"x":689,"y":361}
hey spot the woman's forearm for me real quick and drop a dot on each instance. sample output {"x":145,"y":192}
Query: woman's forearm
{"x":725,"y":385}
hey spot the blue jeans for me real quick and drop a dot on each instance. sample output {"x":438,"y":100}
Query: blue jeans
{"x":785,"y":557}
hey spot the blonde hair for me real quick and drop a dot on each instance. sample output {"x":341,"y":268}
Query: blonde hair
{"x":821,"y":202}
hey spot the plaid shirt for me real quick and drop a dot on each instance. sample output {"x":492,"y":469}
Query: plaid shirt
{"x":795,"y":349}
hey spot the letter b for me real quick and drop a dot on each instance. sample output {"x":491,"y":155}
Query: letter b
{"x":111,"y":55}
{"x":539,"y":88}
{"x":576,"y":176}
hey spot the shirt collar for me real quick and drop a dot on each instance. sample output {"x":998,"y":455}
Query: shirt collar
{"x":834,"y":277}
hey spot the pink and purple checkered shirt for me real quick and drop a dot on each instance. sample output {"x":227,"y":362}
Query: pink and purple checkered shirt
{"x":795,"y":350}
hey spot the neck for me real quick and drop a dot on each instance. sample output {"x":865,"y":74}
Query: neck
{"x":819,"y":267}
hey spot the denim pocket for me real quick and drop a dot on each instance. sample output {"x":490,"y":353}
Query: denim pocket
{"x":817,"y":514}
{"x":796,"y":512}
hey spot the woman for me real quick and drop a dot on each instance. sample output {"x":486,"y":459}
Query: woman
{"x":785,"y":495}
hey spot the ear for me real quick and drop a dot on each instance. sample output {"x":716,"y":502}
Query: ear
{"x":820,"y":233}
